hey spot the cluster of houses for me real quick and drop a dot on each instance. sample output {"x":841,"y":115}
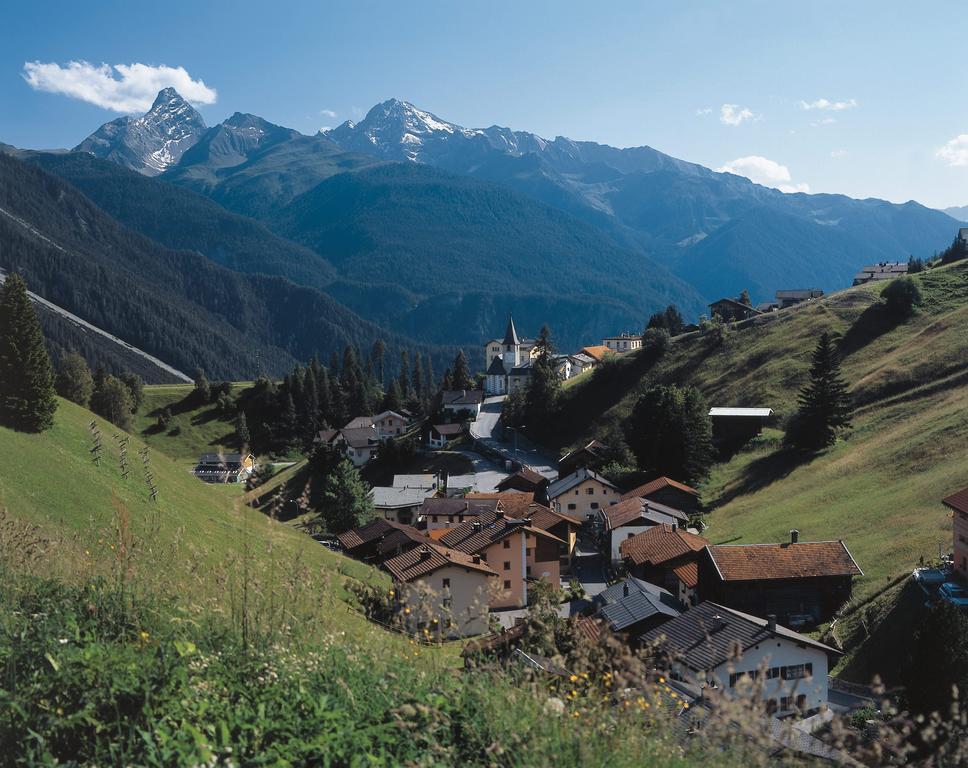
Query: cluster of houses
{"x":456,"y":555}
{"x":508,"y":361}
{"x":737,"y":310}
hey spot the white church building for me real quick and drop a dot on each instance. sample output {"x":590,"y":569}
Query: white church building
{"x":507,"y":362}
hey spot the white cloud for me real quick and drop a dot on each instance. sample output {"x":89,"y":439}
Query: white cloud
{"x":824,"y":121}
{"x":827,"y":105}
{"x":704,"y":111}
{"x":118,"y":87}
{"x":838,"y":153}
{"x":955,"y":152}
{"x":764,"y":171}
{"x":327,"y":113}
{"x":733,"y":114}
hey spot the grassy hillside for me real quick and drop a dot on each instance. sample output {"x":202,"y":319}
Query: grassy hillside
{"x":194,"y":629}
{"x":193,"y":430}
{"x":880,"y":488}
{"x":196,"y":538}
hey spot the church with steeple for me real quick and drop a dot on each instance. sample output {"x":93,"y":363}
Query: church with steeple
{"x":507,"y":362}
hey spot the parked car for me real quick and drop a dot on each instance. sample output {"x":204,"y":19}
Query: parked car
{"x":955,"y":594}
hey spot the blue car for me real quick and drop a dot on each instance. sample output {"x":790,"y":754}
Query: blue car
{"x":955,"y":594}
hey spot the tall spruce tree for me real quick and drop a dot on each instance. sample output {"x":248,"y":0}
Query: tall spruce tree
{"x":429,"y":381}
{"x":543,"y":388}
{"x":418,"y":381}
{"x":404,"y":378}
{"x":345,"y":501}
{"x":670,"y":434}
{"x":377,"y":355}
{"x":74,"y":381}
{"x":824,"y":403}
{"x":461,"y":375}
{"x":27,"y":397}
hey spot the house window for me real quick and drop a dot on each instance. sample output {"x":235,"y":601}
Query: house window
{"x":507,"y":565}
{"x":735,"y":677}
{"x":590,"y":491}
{"x":450,"y":518}
{"x":529,"y":570}
{"x":527,"y":552}
{"x":446,"y":583}
{"x":572,"y":506}
{"x":433,"y":518}
{"x":594,"y":505}
{"x":796,"y":671}
{"x":507,"y":544}
{"x":629,"y":535}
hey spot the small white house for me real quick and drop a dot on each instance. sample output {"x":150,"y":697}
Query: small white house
{"x":462,"y":400}
{"x":624,"y":342}
{"x":703,"y":643}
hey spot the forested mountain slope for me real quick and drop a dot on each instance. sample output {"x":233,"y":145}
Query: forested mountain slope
{"x":177,"y":305}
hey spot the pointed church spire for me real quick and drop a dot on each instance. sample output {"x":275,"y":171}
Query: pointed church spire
{"x":511,"y":335}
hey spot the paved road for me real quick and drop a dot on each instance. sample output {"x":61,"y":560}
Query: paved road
{"x":174,"y":372}
{"x":587,"y":567}
{"x":487,"y":472}
{"x":519,"y":449}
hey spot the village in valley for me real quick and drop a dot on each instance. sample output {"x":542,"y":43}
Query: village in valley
{"x":478,"y":555}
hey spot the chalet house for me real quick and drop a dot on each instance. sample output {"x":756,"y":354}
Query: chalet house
{"x":526,"y":481}
{"x":569,"y":366}
{"x":731,"y":310}
{"x":958,"y":504}
{"x":597,"y":352}
{"x":224,"y":467}
{"x":581,"y":494}
{"x":633,"y":516}
{"x":883,"y":270}
{"x":669,"y":492}
{"x":380,"y":539}
{"x":803,"y":583}
{"x":462,"y":401}
{"x":506,"y":358}
{"x":624,"y":342}
{"x":514,"y":548}
{"x":358,"y":444}
{"x":580,"y":362}
{"x":439,"y":435}
{"x":387,"y":424}
{"x":522,"y":506}
{"x":633,"y":607}
{"x":736,"y":426}
{"x":702,"y":644}
{"x":788,"y":298}
{"x":668,"y":556}
{"x":447,"y":512}
{"x":592,"y":455}
{"x":400,"y":505}
{"x":442,"y":584}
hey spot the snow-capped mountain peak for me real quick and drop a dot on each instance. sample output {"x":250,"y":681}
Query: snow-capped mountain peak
{"x":152,"y":143}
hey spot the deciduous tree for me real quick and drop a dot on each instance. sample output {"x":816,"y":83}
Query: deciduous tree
{"x":74,"y":380}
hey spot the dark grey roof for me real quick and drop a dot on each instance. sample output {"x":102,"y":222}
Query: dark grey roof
{"x":511,"y":335}
{"x":643,"y":601}
{"x":496,"y":368}
{"x":709,"y":634}
{"x":799,"y":293}
{"x":462,"y":397}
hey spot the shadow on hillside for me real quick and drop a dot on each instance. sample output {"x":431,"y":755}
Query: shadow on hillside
{"x":229,"y":438}
{"x":765,"y":471}
{"x":289,"y":500}
{"x":882,"y":651}
{"x":212,"y":414}
{"x":872,"y":323}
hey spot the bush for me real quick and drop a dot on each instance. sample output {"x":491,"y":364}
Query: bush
{"x":656,"y":341}
{"x":901,"y":296}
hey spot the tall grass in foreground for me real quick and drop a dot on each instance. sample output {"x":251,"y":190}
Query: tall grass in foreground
{"x":148,"y":657}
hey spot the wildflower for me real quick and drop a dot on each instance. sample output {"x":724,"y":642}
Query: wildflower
{"x":685,"y":705}
{"x":62,"y":640}
{"x":574,"y":678}
{"x":661,"y":679}
{"x":144,"y":636}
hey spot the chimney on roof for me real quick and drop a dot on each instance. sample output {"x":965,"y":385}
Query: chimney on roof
{"x":625,"y":589}
{"x":794,"y":536}
{"x":498,"y":514}
{"x":771,"y":622}
{"x":478,"y":525}
{"x":424,"y":552}
{"x":477,"y":559}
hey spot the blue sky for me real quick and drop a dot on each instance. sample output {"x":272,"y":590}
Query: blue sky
{"x":724,"y":84}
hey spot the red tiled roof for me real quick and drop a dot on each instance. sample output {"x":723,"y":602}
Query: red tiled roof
{"x":688,"y":574}
{"x":515,"y":503}
{"x":544,"y":517}
{"x":657,"y":485}
{"x":527,"y":474}
{"x":432,"y":557}
{"x":957,"y":501}
{"x":660,"y":544}
{"x":596,"y":352}
{"x":364,"y":534}
{"x":805,"y":559}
